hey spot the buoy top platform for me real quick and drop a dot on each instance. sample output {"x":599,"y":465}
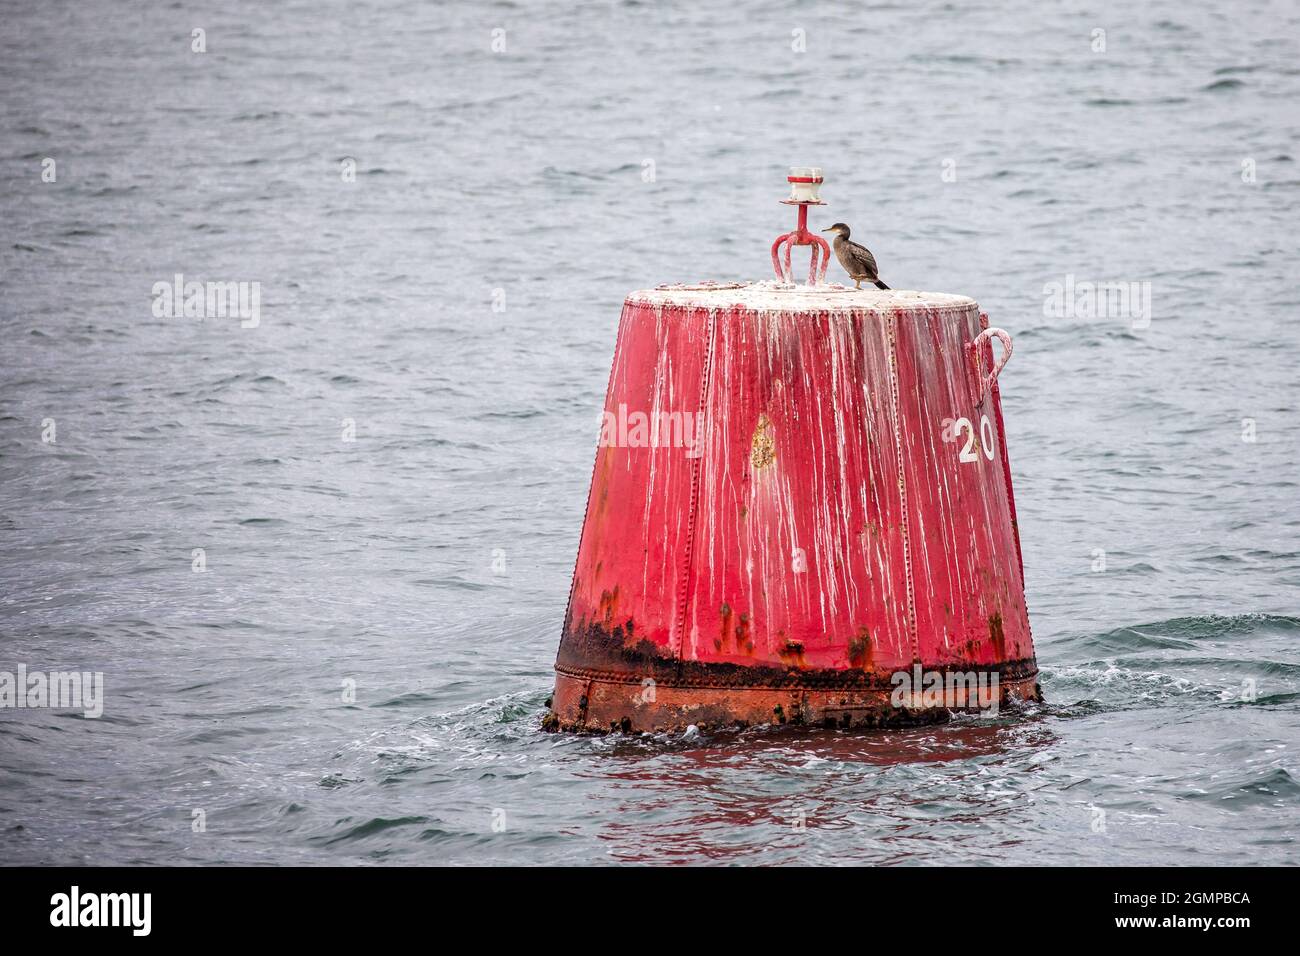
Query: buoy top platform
{"x":775,"y":296}
{"x":800,"y":511}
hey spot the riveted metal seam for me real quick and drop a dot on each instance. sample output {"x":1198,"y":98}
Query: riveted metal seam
{"x":697,"y":466}
{"x":902,"y":486}
{"x":1020,"y":669}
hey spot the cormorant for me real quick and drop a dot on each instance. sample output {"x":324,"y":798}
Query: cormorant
{"x":857,"y":260}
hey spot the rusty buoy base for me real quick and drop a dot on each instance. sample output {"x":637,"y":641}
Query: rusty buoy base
{"x":591,"y":702}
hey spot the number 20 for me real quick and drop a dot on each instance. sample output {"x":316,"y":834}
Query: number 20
{"x":968,"y":454}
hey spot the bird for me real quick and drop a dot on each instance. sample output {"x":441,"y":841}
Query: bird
{"x":857,"y":260}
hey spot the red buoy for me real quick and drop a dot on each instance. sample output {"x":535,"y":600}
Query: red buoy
{"x":801,"y":511}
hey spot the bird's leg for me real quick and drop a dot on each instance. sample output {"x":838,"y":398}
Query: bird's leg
{"x":857,"y":283}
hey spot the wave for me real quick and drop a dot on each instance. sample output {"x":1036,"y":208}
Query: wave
{"x":1185,"y":633}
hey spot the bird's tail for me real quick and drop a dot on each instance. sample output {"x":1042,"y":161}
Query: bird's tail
{"x":881,"y":285}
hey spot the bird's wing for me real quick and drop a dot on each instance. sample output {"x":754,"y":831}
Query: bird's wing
{"x":863,"y":257}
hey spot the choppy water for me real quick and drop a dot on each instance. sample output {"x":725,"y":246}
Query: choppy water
{"x":372,"y":561}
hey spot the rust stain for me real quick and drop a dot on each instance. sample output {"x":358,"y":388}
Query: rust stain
{"x":608,"y":606}
{"x":763,"y":448}
{"x":743,"y":643}
{"x":734,"y":631}
{"x":591,"y":643}
{"x":792,"y":654}
{"x":996,"y":636}
{"x":860,"y":649}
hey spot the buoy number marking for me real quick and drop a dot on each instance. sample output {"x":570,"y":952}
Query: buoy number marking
{"x":970,"y":451}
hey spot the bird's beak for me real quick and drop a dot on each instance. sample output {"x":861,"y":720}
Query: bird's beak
{"x":827,"y":229}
